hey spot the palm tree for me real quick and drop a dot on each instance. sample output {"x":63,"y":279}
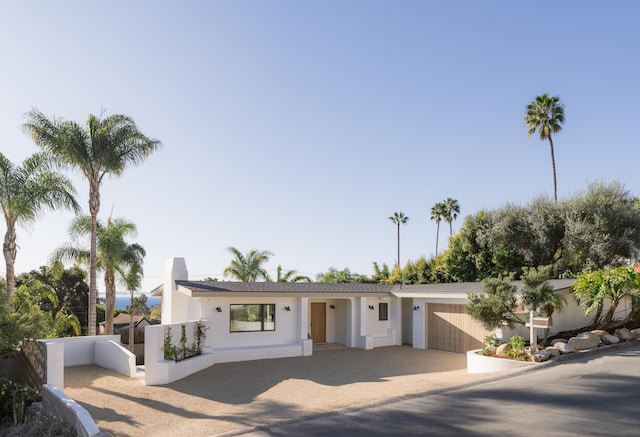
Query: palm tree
{"x":133,"y":279}
{"x":114,"y":255}
{"x":451,"y":211}
{"x":546,"y":115}
{"x":438,"y":212}
{"x":290,"y":276}
{"x":25,"y":191}
{"x":103,"y":146}
{"x":248,"y":268}
{"x":399,"y":218}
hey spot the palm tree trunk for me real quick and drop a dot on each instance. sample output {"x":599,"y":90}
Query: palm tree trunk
{"x":398,"y":244}
{"x":132,"y":311}
{"x":94,"y":207}
{"x":553,"y":165}
{"x":437,"y":235}
{"x":110,"y":300}
{"x":9,"y":249}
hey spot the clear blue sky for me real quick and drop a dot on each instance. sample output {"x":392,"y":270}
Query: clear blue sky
{"x":299,"y":127}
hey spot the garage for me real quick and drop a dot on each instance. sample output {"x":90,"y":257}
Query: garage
{"x":450,"y":328}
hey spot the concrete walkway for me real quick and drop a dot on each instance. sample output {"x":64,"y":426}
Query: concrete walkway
{"x":238,"y":396}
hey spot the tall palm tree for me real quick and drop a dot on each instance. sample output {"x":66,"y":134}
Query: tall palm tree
{"x":290,"y":276}
{"x":438,"y":212}
{"x":248,"y":268}
{"x":451,"y":211}
{"x":114,"y":255}
{"x":132,"y":280}
{"x":25,"y":191}
{"x":103,"y":146}
{"x":546,"y":115}
{"x":399,"y":219}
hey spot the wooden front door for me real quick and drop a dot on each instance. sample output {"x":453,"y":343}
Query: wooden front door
{"x":319,"y":322}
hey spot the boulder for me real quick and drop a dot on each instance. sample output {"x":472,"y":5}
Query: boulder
{"x":610,"y":339}
{"x":502,"y":349}
{"x":541,"y":356}
{"x":624,"y":334}
{"x":600,"y":332}
{"x":586,"y":340}
{"x":636,"y":332}
{"x":559,"y":340}
{"x":553,"y":351}
{"x":564,"y":348}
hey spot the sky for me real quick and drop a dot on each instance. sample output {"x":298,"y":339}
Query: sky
{"x":300,"y":127}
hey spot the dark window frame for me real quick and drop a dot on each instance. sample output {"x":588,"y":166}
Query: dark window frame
{"x":260,"y":316}
{"x":383,"y":311}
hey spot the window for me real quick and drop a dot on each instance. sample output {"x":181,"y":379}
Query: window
{"x":253,"y":317}
{"x":383,"y":311}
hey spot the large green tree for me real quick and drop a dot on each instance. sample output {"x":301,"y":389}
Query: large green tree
{"x":398,"y":218}
{"x":69,"y":297}
{"x":25,"y":192}
{"x":545,"y":115}
{"x":249,"y":267}
{"x":115,"y":255}
{"x":100,"y":147}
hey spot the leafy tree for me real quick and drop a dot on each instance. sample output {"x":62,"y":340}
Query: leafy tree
{"x":538,"y":294}
{"x":592,"y":289}
{"x":398,"y":218}
{"x":20,"y":318}
{"x":290,"y":276}
{"x":248,"y":268}
{"x":497,"y":305}
{"x":103,"y":146}
{"x":438,"y":212}
{"x":114,"y":254}
{"x":451,"y":209}
{"x":68,"y":299}
{"x":593,"y":229}
{"x":140,"y":306}
{"x":25,"y":192}
{"x":335,"y":276}
{"x":380,"y":274}
{"x":546,"y":114}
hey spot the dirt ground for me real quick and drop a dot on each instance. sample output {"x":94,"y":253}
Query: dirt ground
{"x":235,"y":396}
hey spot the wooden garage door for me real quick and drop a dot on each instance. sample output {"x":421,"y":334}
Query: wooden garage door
{"x":450,"y":328}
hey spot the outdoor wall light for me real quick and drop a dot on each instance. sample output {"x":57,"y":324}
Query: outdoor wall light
{"x":287,"y":308}
{"x":218,"y":309}
{"x":371,"y":307}
{"x":333,"y":307}
{"x":416,"y":308}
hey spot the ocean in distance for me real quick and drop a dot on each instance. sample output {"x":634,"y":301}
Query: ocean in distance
{"x":123,"y":302}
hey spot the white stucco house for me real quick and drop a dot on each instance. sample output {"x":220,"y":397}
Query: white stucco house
{"x":256,"y":320}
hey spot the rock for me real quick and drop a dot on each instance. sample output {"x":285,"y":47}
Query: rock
{"x":624,"y":334}
{"x":553,"y":351}
{"x":502,"y":349}
{"x":636,"y":332}
{"x":564,"y":348}
{"x":610,"y":339}
{"x":541,"y":356}
{"x":586,"y":340}
{"x":559,"y":340}
{"x":600,"y":332}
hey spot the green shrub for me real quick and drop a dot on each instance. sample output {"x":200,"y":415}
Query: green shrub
{"x":517,"y":351}
{"x":15,"y":400}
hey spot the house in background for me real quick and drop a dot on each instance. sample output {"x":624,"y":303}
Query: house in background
{"x":122,"y":321}
{"x":256,"y":320}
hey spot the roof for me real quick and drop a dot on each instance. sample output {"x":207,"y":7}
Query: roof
{"x":209,"y":287}
{"x":123,"y":318}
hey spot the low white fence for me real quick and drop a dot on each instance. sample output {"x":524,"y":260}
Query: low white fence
{"x":158,"y":370}
{"x":62,"y":406}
